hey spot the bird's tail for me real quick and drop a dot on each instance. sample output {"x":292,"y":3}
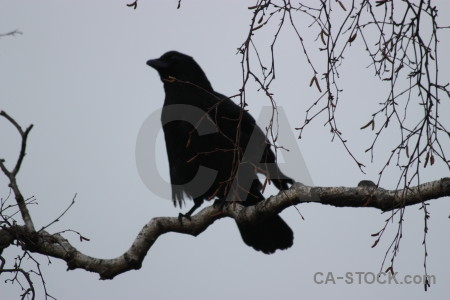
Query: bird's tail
{"x":269,"y":235}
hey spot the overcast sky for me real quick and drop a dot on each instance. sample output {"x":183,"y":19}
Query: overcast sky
{"x":78,"y":74}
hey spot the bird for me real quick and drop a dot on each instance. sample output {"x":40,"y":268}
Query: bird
{"x":215,"y":150}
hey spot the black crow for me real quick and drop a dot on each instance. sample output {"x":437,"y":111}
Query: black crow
{"x":215,"y":149}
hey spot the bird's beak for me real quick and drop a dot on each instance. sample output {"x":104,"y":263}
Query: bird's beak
{"x":157,"y":64}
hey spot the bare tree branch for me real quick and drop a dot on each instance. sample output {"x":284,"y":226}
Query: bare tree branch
{"x":60,"y":216}
{"x":55,"y":245}
{"x":11,"y":33}
{"x":27,"y":291}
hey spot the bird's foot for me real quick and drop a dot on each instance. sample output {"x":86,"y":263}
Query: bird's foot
{"x":220,"y":204}
{"x":181,"y":216}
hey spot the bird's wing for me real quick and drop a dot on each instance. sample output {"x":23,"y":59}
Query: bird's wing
{"x":176,"y":134}
{"x":260,"y":151}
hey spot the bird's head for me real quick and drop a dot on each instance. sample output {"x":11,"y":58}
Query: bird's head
{"x":180,"y":66}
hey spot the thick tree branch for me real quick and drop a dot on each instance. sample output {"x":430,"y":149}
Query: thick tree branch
{"x":57,"y":246}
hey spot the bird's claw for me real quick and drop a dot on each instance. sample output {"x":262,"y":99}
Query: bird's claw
{"x":181,"y":216}
{"x":220,"y":204}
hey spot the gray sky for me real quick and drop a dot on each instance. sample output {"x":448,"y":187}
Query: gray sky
{"x":78,"y":74}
